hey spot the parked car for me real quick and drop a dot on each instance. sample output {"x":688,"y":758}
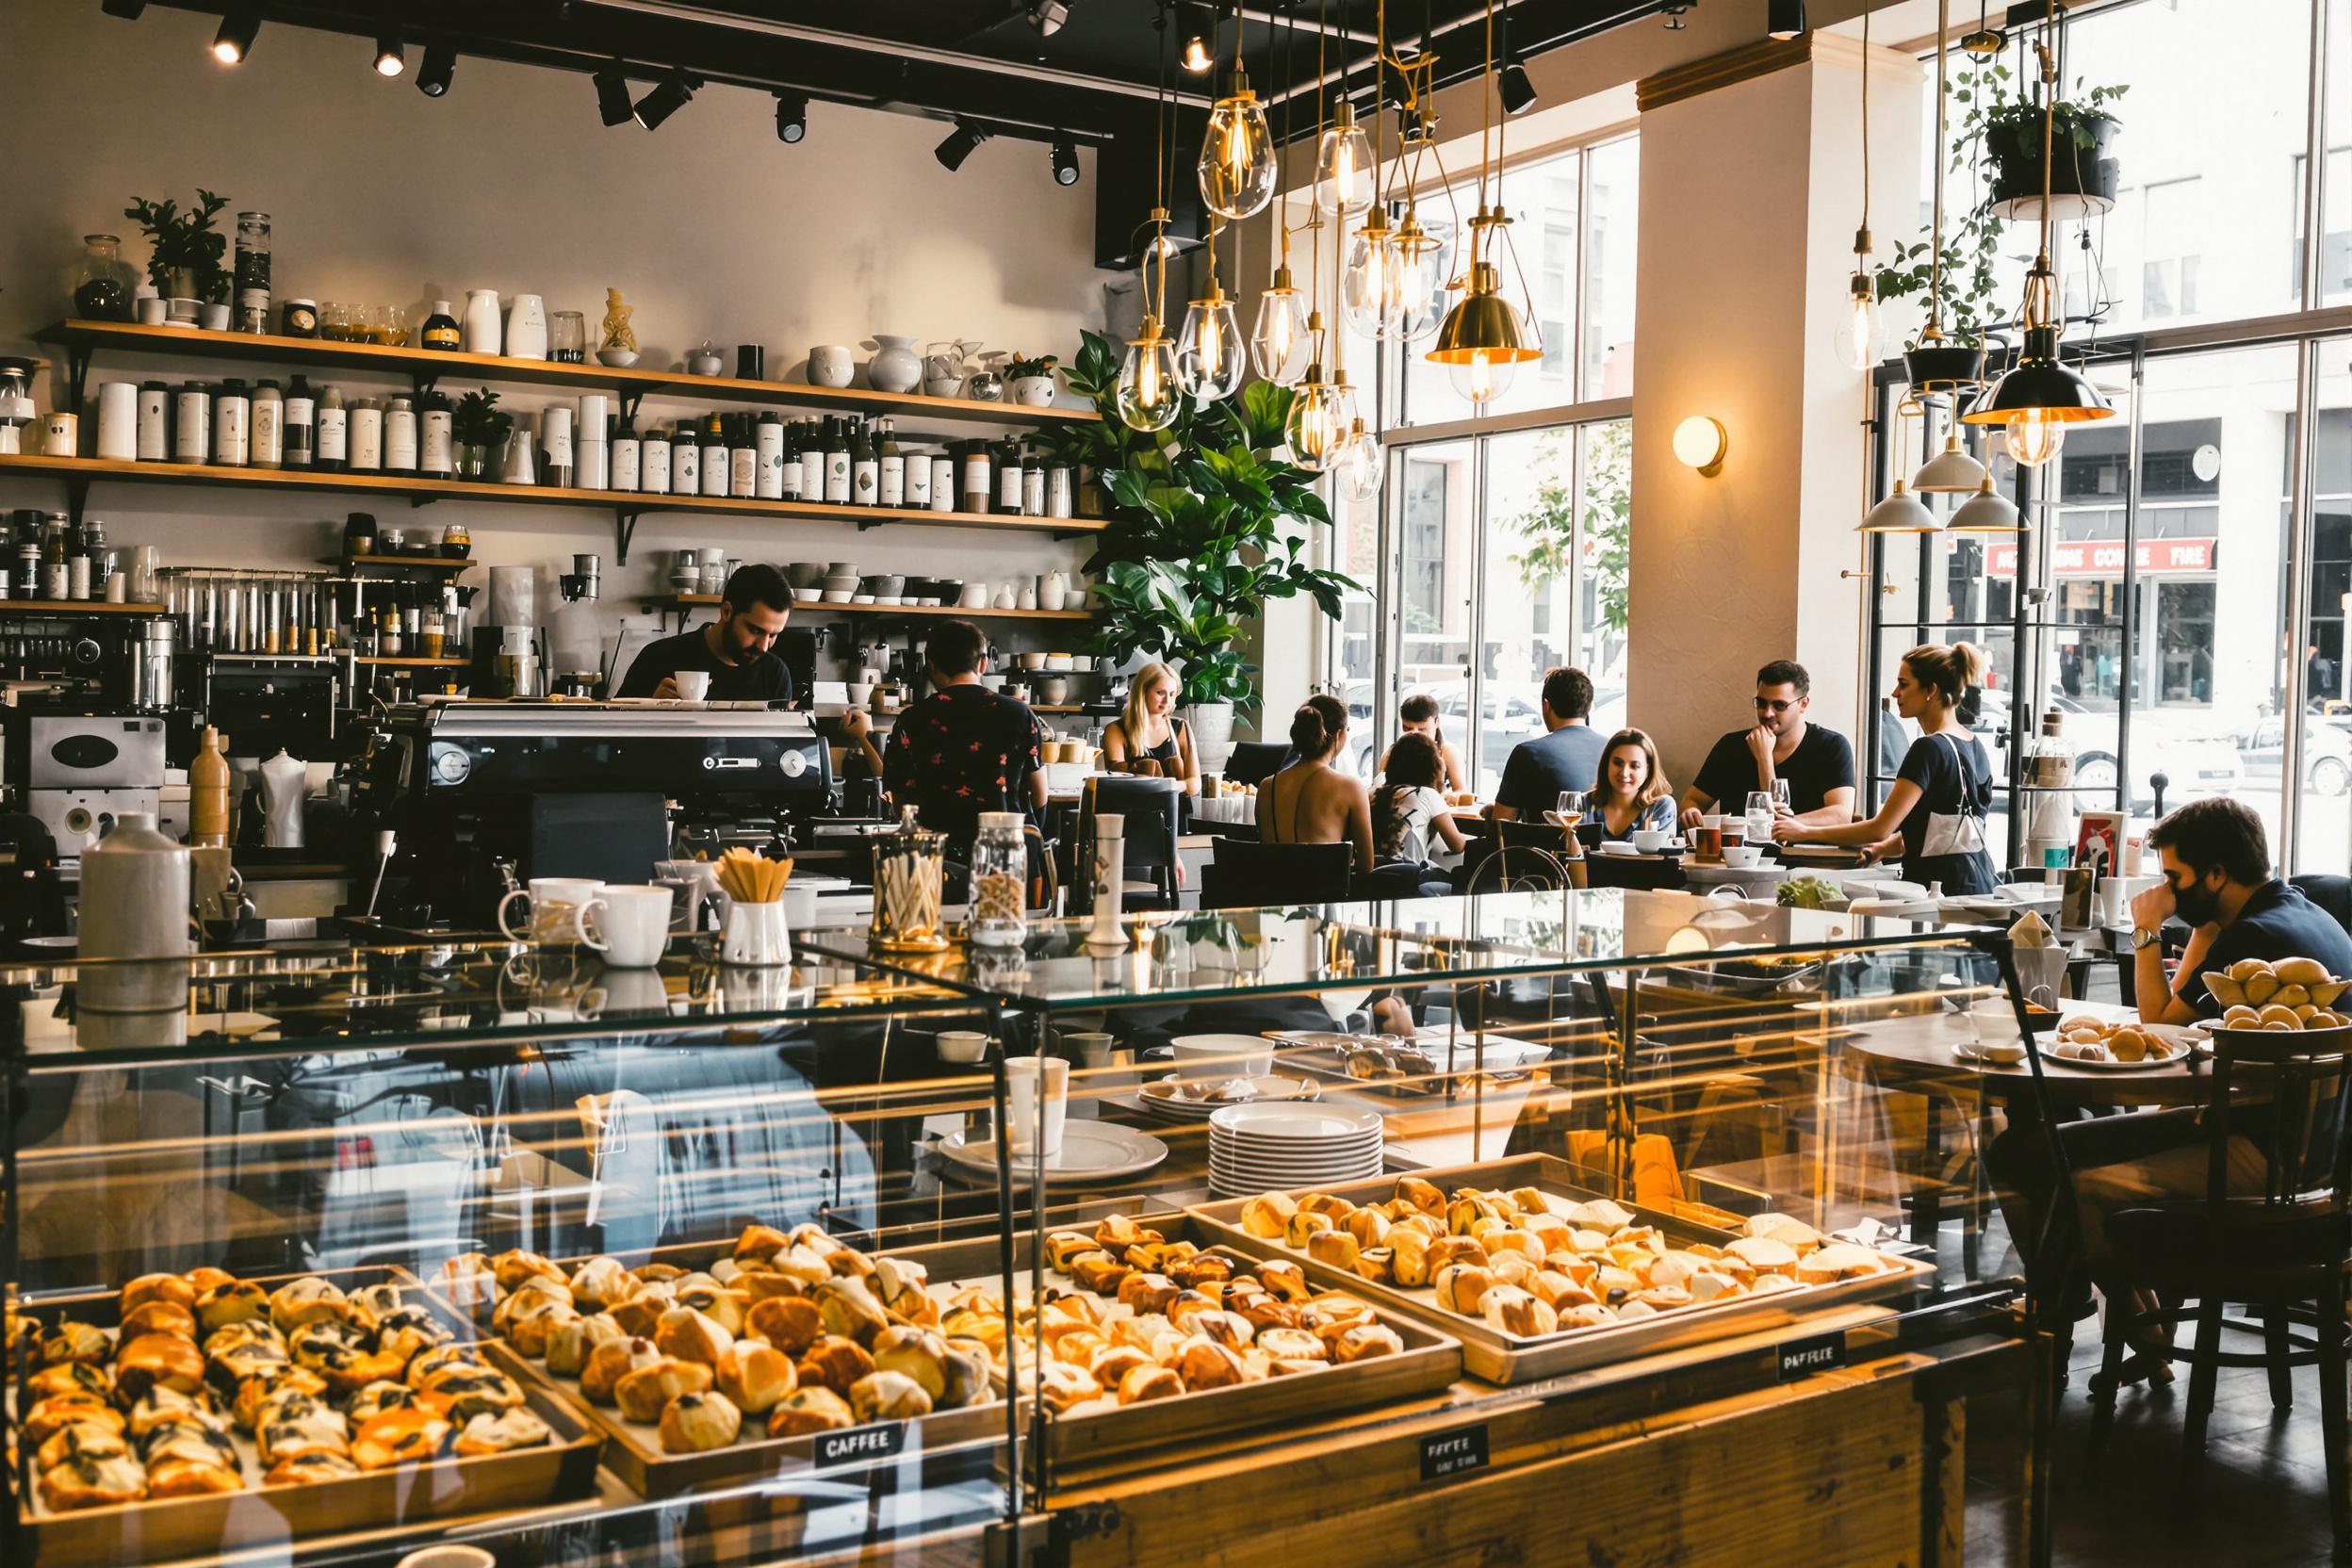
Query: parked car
{"x":2327,"y":753}
{"x":2161,"y":743}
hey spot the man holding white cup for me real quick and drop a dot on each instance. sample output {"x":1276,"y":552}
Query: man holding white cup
{"x":734,"y":652}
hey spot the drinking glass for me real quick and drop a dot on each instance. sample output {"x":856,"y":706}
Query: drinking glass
{"x":335,"y":322}
{"x":1571,"y":809}
{"x":567,"y":337}
{"x":1780,"y":795}
{"x":1759,"y":817}
{"x":390,"y":325}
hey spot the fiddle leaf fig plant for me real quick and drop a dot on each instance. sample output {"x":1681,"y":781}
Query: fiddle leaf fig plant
{"x":1207,"y":525}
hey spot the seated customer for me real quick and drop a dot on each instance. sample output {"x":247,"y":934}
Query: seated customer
{"x":1632,"y":792}
{"x":960,"y":751}
{"x":1410,"y":819}
{"x":1816,"y":763}
{"x":1566,"y":757}
{"x":1417,"y":715}
{"x":1148,"y":738}
{"x":1945,"y":782}
{"x":2215,"y":858}
{"x":1310,"y":802}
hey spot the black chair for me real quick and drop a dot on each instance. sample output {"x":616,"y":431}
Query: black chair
{"x":1255,"y":761}
{"x":1617,"y":871}
{"x":2283,"y":1250}
{"x":1248,"y":876}
{"x":1518,"y":867}
{"x":2331,"y":893}
{"x":1151,"y":809}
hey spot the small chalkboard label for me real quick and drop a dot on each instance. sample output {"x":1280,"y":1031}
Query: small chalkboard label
{"x":853,"y":1444}
{"x":1453,"y":1453}
{"x":1801,"y":1358}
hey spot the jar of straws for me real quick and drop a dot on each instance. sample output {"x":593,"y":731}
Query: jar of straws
{"x":909,"y":880}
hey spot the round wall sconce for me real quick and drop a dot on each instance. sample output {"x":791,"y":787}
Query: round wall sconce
{"x":1700,"y":443}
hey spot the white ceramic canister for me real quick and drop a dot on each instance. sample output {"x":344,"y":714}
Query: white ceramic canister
{"x":118,"y":421}
{"x":527,"y":328}
{"x":133,"y":893}
{"x":481,"y":321}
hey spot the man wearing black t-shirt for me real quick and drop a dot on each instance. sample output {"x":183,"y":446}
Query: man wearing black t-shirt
{"x":1816,"y":763}
{"x":734,"y":649}
{"x":962,"y":751}
{"x":2215,"y":858}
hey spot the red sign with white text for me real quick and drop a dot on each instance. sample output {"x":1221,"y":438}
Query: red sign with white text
{"x":2104,"y":557}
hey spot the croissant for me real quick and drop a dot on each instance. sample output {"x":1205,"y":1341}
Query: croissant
{"x":1149,"y":1381}
{"x":1267,"y":1214}
{"x":1420,"y":1194}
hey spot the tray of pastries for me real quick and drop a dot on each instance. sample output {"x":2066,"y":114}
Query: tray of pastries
{"x":189,"y":1413}
{"x":722,"y":1361}
{"x":1154,"y":1334}
{"x":1538,"y":1275}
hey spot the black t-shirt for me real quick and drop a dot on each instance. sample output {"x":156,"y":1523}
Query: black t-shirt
{"x":1822,"y":762}
{"x":961,"y":751}
{"x":1934,"y":763}
{"x":2276,"y":923}
{"x":1537,"y":770}
{"x":763,"y":678}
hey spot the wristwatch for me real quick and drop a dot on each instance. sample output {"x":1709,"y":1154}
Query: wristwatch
{"x":2142,"y":936}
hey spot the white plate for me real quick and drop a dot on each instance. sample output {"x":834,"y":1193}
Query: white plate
{"x":1161,"y":1099}
{"x":1286,"y":1181}
{"x":1367,"y":1160}
{"x":1313,"y":1154}
{"x":1292,"y":1123}
{"x":2182,"y":1043}
{"x":1091,"y":1151}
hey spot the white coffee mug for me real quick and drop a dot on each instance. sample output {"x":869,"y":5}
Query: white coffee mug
{"x":692,"y":685}
{"x":1032,"y":1138}
{"x":560,"y":908}
{"x":829,"y":365}
{"x":636,"y":922}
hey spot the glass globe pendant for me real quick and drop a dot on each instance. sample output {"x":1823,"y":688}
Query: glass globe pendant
{"x":1860,"y":333}
{"x":1149,"y":396}
{"x":1321,"y":413}
{"x":1279,"y":346}
{"x":1417,"y":265}
{"x":1362,"y":464}
{"x":1367,"y":283}
{"x":1343,"y":166}
{"x":1210,"y":359}
{"x":2033,"y":437}
{"x":1237,"y":165}
{"x":1483,"y":339}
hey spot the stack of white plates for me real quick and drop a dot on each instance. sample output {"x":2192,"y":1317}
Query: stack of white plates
{"x":1255,"y":1149}
{"x":1167,"y":1100}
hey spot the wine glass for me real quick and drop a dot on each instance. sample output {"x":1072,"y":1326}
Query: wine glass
{"x":1759,"y":817}
{"x":1780,"y":796}
{"x":1571,"y":808}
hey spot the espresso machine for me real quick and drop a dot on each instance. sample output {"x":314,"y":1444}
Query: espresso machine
{"x":79,"y":767}
{"x":481,"y":796}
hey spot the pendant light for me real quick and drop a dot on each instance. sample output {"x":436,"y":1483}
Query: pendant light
{"x":1986,"y":512}
{"x":1361,"y":463}
{"x":1210,"y":359}
{"x":1343,"y":166}
{"x":1900,"y":512}
{"x":1278,"y":340}
{"x":1483,"y":341}
{"x":1322,"y":409}
{"x":1148,"y":396}
{"x":1934,"y":366}
{"x":1951,"y":472}
{"x":2039,"y":396}
{"x":1238,"y":165}
{"x":1857,"y":339}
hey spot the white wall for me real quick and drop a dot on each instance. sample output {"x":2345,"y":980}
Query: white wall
{"x":712,"y":228}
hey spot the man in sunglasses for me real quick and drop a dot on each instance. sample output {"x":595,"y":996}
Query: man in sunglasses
{"x":1817,"y":764}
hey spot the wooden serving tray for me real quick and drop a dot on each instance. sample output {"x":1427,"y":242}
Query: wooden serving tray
{"x":1500,"y":1358}
{"x":168,"y":1528}
{"x":635,"y":1454}
{"x":1431,"y":1361}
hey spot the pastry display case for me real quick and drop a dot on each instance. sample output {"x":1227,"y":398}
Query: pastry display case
{"x":976,"y":1254}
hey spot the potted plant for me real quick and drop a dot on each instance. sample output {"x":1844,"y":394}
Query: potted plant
{"x":1031,"y":380}
{"x":2083,"y":171}
{"x":186,"y":252}
{"x":476,"y":425}
{"x":1206,"y":525}
{"x":1965,"y":296}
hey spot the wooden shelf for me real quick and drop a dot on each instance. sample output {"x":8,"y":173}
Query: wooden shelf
{"x":83,"y":337}
{"x":804,"y":607}
{"x":627,"y":505}
{"x":443,"y":663}
{"x":65,"y":609}
{"x":448,"y":564}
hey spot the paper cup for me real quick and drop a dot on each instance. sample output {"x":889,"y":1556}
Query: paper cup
{"x":1035,"y":1128}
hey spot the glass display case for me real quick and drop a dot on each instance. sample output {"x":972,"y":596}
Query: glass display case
{"x":711,"y":1264}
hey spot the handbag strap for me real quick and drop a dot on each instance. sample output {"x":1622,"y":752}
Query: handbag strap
{"x":1966,"y":783}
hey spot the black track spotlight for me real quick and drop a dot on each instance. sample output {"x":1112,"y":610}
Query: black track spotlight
{"x":432,"y":78}
{"x":1198,"y":26}
{"x":1065,"y":161}
{"x":669,"y":95}
{"x":391,"y":59}
{"x":127,"y":10}
{"x":1512,"y":84}
{"x":1785,"y":19}
{"x":1047,"y":16}
{"x":792,"y":117}
{"x":960,"y":144}
{"x":235,"y":40}
{"x":612,"y":102}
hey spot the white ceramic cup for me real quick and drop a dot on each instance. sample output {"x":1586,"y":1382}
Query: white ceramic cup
{"x":1994,"y":1021}
{"x":754,"y":934}
{"x":560,"y":911}
{"x":1023,"y":1076}
{"x":829,"y":365}
{"x":1093,"y":1047}
{"x":693,"y":685}
{"x":1649,"y":841}
{"x":636,"y":922}
{"x":962,"y":1045}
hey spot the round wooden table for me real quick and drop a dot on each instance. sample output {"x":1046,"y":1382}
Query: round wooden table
{"x":1905,"y":1052}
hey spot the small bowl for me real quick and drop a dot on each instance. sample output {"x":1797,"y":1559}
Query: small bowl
{"x":809,"y":596}
{"x":2003,"y":1053}
{"x":619,"y":359}
{"x":946,"y":590}
{"x":860,"y":693}
{"x":962,"y":1045}
{"x":837,"y":595}
{"x":1222,"y":1056}
{"x":943,"y":386}
{"x":1031,"y":660}
{"x":840,"y":569}
{"x":1058,"y":661}
{"x":1742,"y":856}
{"x":861,"y":599}
{"x":1649,"y":841}
{"x":804,"y":574}
{"x":705,"y":364}
{"x":884,"y":586}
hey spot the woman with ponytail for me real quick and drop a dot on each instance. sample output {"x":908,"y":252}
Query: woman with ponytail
{"x":1310,"y":802}
{"x":1945,"y":780}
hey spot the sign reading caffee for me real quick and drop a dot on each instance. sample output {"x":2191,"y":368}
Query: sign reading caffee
{"x":886,"y":1439}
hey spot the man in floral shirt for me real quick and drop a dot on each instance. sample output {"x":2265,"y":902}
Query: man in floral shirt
{"x":963,"y":749}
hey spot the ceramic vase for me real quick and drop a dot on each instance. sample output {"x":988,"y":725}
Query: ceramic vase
{"x":482,"y":329}
{"x":527,"y":328}
{"x":895,"y":366}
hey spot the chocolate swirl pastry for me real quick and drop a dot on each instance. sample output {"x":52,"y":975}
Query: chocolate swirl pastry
{"x":233,"y":1301}
{"x":496,"y":1433}
{"x":379,"y":1396}
{"x":309,"y":1466}
{"x":308,"y":1300}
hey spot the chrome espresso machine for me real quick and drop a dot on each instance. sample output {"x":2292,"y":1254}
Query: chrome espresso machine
{"x":483,"y":796}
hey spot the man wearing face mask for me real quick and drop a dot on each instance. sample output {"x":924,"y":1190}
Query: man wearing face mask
{"x":2216,"y":864}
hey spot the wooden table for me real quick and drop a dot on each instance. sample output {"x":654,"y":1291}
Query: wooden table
{"x":1909,"y":1051}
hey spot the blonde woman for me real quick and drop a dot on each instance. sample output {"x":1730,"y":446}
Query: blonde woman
{"x":1149,"y":738}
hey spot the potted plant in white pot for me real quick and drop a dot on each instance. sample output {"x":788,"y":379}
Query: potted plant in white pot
{"x":1031,"y":381}
{"x":478,"y":425}
{"x":1207,"y":525}
{"x":186,"y":252}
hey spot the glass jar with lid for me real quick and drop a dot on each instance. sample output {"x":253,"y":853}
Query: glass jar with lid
{"x":102,"y":284}
{"x":1000,"y":880}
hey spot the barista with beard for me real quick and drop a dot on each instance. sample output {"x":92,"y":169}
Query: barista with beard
{"x":734,"y":649}
{"x":2216,"y":864}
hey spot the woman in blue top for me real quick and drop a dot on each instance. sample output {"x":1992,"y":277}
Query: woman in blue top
{"x":1629,"y":792}
{"x":1945,"y":773}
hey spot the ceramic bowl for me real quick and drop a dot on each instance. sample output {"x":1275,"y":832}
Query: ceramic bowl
{"x":1741,"y":857}
{"x":1031,"y":660}
{"x":840,"y":569}
{"x":837,"y":595}
{"x":885,"y":587}
{"x":1649,"y":841}
{"x":804,"y":574}
{"x":861,"y":599}
{"x":809,"y":596}
{"x":1056,"y":690}
{"x":619,"y":359}
{"x":949,"y":590}
{"x":705,"y":364}
{"x":1058,"y":662}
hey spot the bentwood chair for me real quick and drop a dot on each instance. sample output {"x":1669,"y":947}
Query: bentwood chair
{"x":2280,"y":1245}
